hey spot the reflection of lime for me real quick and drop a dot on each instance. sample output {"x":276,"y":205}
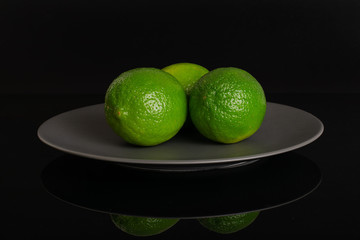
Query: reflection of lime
{"x":142,"y":226}
{"x":227,"y":105}
{"x":229,"y":224}
{"x":145,"y":106}
{"x":186,"y":73}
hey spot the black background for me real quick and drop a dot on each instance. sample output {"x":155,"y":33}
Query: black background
{"x":81,"y":46}
{"x":60,"y":55}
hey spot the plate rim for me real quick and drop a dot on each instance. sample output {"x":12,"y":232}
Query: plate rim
{"x":184,"y":161}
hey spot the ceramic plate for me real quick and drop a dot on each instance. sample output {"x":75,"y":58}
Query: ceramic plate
{"x":85,"y":132}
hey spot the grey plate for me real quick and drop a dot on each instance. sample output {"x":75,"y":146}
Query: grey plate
{"x":85,"y":132}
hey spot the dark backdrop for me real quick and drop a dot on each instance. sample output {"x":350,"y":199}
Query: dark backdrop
{"x":296,"y":49}
{"x":79,"y":47}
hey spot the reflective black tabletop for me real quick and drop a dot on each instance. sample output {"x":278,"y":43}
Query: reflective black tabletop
{"x":312,"y":191}
{"x":112,"y":188}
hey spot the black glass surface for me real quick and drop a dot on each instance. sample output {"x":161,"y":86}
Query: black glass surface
{"x":112,"y":188}
{"x":28,"y":210}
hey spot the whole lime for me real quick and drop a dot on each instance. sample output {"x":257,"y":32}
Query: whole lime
{"x":145,"y":106}
{"x":142,"y":226}
{"x":227,"y":105}
{"x":186,"y":73}
{"x":229,"y":224}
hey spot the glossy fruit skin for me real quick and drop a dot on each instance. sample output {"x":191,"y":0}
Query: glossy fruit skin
{"x":229,"y":224}
{"x":142,"y":226}
{"x":227,"y":105}
{"x":186,"y":73}
{"x":145,"y":106}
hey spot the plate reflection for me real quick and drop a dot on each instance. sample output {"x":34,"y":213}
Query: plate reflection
{"x":111,"y":188}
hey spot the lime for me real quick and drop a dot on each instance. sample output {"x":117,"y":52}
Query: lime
{"x":227,"y":105}
{"x":142,"y":226}
{"x":229,"y":224}
{"x":145,"y":106}
{"x":186,"y":73}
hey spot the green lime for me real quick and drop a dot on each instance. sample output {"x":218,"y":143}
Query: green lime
{"x":186,"y":73}
{"x":142,"y":226}
{"x":227,"y":105}
{"x":229,"y":224}
{"x":145,"y":106}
